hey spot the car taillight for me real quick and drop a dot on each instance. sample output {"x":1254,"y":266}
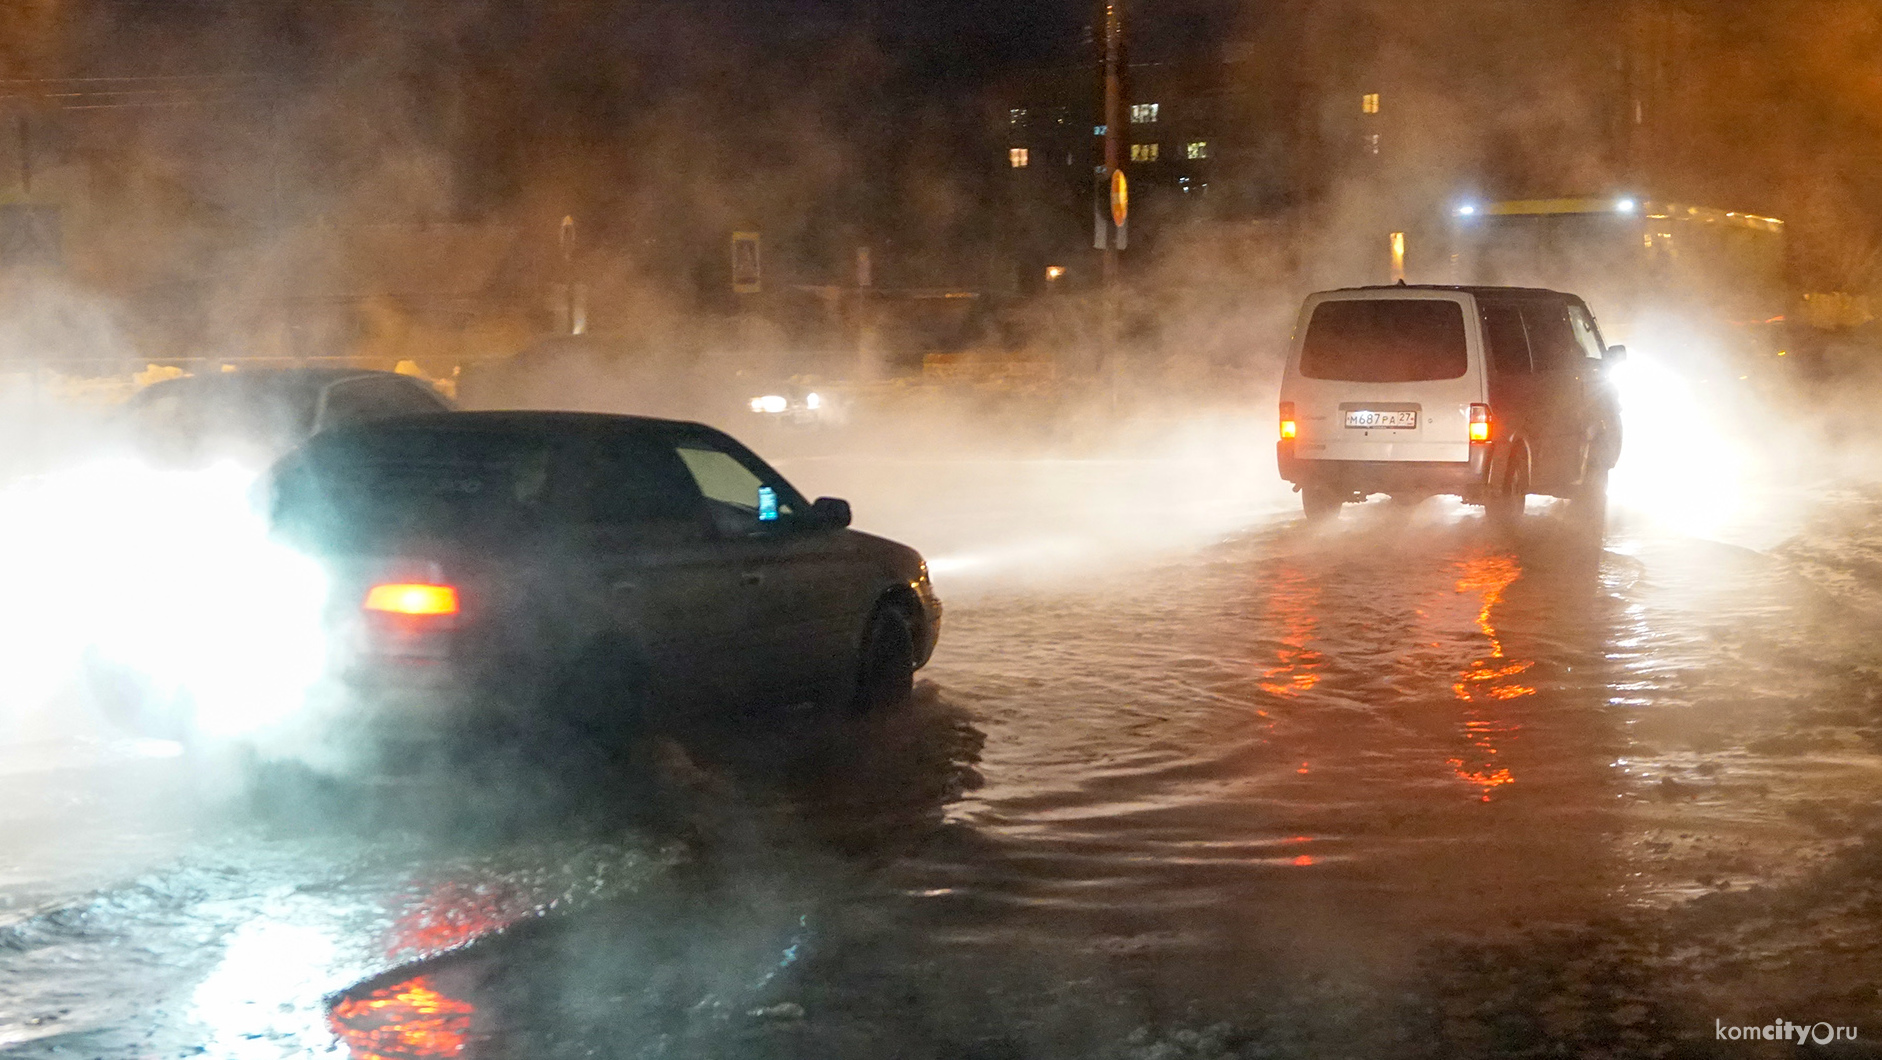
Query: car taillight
{"x":408,"y":598}
{"x":1289,"y":427}
{"x":1480,"y":423}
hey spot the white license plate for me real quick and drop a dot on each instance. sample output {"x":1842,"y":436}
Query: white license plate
{"x":1391,"y":421}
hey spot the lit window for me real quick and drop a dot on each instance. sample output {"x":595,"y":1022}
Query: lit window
{"x":1143,"y":113}
{"x":1100,"y":130}
{"x":1018,"y":157}
{"x":1372,"y":143}
{"x":1196,"y":149}
{"x":1143,"y":152}
{"x":1368,"y":103}
{"x":1016,"y":117}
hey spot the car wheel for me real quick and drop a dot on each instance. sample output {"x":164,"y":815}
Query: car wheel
{"x":886,"y":677}
{"x":1321,"y":503}
{"x":1509,"y":495}
{"x":602,"y":700}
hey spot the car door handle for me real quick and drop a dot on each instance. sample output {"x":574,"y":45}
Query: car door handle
{"x":752,"y":577}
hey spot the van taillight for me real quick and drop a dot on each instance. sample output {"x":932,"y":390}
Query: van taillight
{"x":1479,"y":423}
{"x":1289,"y":427}
{"x":407,"y":598}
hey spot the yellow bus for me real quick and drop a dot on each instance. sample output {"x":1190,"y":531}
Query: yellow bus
{"x":1627,"y":256}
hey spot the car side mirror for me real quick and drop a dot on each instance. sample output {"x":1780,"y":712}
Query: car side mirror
{"x":1615,"y":355}
{"x":830,"y":513}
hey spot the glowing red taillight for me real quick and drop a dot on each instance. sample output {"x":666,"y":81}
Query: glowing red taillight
{"x":409,"y":598}
{"x":1290,"y":427}
{"x":1480,"y":423}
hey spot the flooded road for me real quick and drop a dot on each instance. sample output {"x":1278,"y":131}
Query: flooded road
{"x":1403,"y":787}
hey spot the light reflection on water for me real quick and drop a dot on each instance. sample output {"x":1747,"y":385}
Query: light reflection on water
{"x":1490,"y":679}
{"x":267,"y":989}
{"x":1294,"y":603}
{"x":1305,"y":745}
{"x":410,"y":1020}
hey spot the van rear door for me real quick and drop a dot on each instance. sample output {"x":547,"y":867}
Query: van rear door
{"x":1386,"y":376}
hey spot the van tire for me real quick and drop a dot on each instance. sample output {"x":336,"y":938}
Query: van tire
{"x":1321,"y":504}
{"x":1594,"y":485}
{"x":1509,"y":490}
{"x":1588,"y":508}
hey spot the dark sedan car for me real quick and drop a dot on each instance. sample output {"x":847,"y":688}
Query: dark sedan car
{"x":533,"y":572}
{"x":255,"y":415}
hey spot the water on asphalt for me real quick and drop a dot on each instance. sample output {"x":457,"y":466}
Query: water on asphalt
{"x":1402,"y":786}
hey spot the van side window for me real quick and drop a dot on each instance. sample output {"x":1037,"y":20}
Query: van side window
{"x":1503,"y":331}
{"x":1585,"y":334}
{"x":1552,"y":346}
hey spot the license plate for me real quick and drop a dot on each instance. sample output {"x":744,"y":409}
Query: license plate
{"x":1391,"y":421}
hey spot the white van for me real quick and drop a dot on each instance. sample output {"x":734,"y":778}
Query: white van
{"x":1488,"y":393}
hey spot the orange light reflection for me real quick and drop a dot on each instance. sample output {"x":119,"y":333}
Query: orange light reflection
{"x":1295,"y":601}
{"x":1490,"y":679}
{"x":405,"y":1021}
{"x":452,"y":913}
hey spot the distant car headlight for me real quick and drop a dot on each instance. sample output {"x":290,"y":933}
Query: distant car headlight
{"x":813,"y":401}
{"x":769,"y":403}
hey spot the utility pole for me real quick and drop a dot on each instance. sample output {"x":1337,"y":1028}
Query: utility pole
{"x":1111,"y":186}
{"x":1113,"y":119}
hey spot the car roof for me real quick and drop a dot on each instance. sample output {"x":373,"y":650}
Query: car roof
{"x":523,"y":421}
{"x":263,"y":380}
{"x":1482,"y":292}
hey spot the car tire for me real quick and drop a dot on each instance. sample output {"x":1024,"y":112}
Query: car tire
{"x":602,"y":700}
{"x":1321,"y":504}
{"x":886,"y":672}
{"x":1509,"y":491}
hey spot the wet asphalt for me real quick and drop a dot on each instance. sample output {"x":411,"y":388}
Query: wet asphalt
{"x":1404,"y":786}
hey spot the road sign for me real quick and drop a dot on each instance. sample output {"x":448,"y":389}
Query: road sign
{"x":1120,"y":198}
{"x":746,"y":275}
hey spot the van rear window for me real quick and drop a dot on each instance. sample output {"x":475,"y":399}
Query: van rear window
{"x":1379,"y":340}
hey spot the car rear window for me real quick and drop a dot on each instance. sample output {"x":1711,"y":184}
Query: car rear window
{"x":1381,"y":340}
{"x":447,"y":484}
{"x":266,"y":411}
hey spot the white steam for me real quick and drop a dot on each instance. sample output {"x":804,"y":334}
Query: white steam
{"x":162,"y":585}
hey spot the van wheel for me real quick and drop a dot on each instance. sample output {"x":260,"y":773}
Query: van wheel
{"x":1510,"y":494}
{"x":1594,"y":485}
{"x":1320,"y":503}
{"x":886,"y":676}
{"x":1588,"y":508}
